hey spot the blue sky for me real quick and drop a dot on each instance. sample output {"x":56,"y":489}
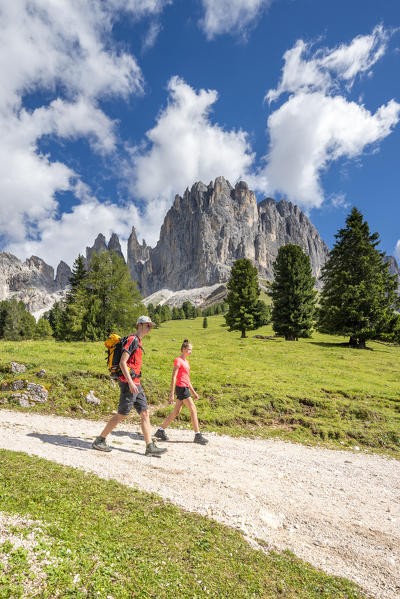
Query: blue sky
{"x":109,"y":109}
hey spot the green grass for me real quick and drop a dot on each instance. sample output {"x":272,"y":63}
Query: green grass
{"x":315,"y":391}
{"x":97,"y":539}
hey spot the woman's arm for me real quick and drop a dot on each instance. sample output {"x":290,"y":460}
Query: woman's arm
{"x":173,"y":380}
{"x":193,"y":391}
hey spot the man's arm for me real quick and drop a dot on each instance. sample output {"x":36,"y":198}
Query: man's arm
{"x":125,"y":371}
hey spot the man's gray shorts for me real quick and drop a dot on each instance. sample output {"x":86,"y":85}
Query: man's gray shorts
{"x":128,"y":400}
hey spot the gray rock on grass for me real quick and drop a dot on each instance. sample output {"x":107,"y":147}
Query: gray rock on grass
{"x":15,"y":367}
{"x":92,"y":399}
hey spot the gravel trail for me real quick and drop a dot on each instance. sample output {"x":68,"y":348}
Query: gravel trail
{"x":338,"y":510}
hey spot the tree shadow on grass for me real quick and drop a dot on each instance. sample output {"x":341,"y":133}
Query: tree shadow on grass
{"x":343,"y":345}
{"x":73,"y":442}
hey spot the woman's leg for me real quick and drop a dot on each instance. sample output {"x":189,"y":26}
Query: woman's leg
{"x":173,"y":415}
{"x":189,"y":403}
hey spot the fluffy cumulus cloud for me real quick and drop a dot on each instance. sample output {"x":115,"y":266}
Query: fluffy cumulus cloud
{"x":65,"y":50}
{"x":231,"y":16}
{"x":77,"y":229}
{"x":183,"y":147}
{"x":317,"y":124}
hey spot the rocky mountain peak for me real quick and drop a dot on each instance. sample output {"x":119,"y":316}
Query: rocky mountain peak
{"x":100,"y":245}
{"x":115,"y":246}
{"x":210,"y":227}
{"x":32,"y":282}
{"x":63,"y":275}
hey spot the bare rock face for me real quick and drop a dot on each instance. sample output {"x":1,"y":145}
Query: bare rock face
{"x":63,"y":275}
{"x":210,"y":227}
{"x":100,"y":245}
{"x":138,"y":260}
{"x":32,"y":282}
{"x":281,"y":223}
{"x":115,"y":246}
{"x":394,"y":269}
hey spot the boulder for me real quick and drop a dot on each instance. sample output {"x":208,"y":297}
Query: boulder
{"x":17,"y":385}
{"x":37,"y":393}
{"x":15,"y":367}
{"x":92,"y":399}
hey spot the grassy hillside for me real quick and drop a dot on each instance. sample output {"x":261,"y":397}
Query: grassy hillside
{"x":91,"y":538}
{"x":311,"y":391}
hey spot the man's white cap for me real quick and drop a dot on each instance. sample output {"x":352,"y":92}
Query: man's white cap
{"x":144,"y":320}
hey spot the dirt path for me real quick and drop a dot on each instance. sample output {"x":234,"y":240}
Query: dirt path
{"x":338,"y":510}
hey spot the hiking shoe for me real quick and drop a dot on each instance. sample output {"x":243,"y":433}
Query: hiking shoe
{"x":100,"y":444}
{"x":198,"y":438}
{"x":160,"y":434}
{"x":152,"y":449}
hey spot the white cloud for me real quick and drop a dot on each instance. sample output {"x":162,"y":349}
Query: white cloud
{"x":151,"y":36}
{"x":65,"y":49}
{"x":397,"y":250}
{"x":231,"y":16}
{"x":140,"y":8}
{"x":65,"y":238}
{"x":183,"y":147}
{"x":338,"y":200}
{"x":324,"y":70}
{"x":317,"y":125}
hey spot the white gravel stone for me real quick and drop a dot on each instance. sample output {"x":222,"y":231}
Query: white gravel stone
{"x":343,"y":528}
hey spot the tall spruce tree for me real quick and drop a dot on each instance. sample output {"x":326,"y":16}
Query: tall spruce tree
{"x":243,"y":297}
{"x":68,"y":325}
{"x":293,"y":294}
{"x":17,"y":322}
{"x":359,"y":295}
{"x":113,"y":301}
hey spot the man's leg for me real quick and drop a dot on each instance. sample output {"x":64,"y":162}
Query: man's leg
{"x":100,"y":442}
{"x":112,"y":423}
{"x":151,"y":447}
{"x":145,"y":426}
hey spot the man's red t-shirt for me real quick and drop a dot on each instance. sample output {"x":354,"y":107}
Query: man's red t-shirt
{"x":182,"y":378}
{"x":134,"y":362}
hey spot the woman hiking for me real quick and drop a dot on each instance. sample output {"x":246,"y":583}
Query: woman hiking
{"x":180,"y":383}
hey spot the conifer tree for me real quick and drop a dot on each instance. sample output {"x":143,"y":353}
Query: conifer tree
{"x":69,"y":325}
{"x":242,"y":297}
{"x":55,"y":316}
{"x":18,"y":323}
{"x":205,"y":322}
{"x":263,"y":313}
{"x":78,"y":273}
{"x":292,"y":292}
{"x":43,"y":329}
{"x":113,"y":300}
{"x":359,"y":295}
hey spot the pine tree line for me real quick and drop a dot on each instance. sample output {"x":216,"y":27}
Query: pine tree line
{"x":17,"y":324}
{"x":359,"y":297}
{"x":163,"y":313}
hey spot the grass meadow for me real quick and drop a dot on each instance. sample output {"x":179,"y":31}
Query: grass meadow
{"x":90,"y":538}
{"x":313,"y":391}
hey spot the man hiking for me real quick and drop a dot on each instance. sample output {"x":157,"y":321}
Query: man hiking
{"x":131,"y":391}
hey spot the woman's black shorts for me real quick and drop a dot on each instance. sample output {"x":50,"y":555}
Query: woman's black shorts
{"x":182,"y":392}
